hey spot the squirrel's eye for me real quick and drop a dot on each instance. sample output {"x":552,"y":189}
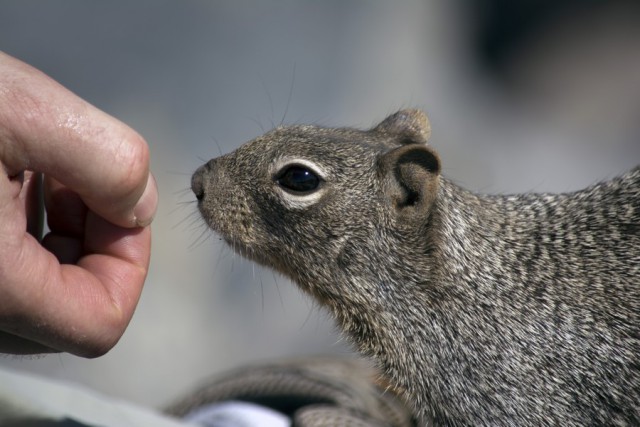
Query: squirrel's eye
{"x":298,"y":179}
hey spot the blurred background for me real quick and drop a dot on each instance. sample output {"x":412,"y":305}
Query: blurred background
{"x":522,"y":95}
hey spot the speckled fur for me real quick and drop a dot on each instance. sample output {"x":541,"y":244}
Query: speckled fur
{"x":486,"y":310}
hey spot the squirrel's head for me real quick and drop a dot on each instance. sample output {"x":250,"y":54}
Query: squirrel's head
{"x":311,"y":201}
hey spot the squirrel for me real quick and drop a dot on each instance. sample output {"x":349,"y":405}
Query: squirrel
{"x":496,"y":310}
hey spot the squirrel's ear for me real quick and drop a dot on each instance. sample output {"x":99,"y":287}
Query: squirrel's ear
{"x":411,"y":126}
{"x":411,"y":174}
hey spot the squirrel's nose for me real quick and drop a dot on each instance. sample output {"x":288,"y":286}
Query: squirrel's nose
{"x":197,"y":185}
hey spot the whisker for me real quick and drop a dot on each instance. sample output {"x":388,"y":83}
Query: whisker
{"x":264,"y":86}
{"x":306,"y":320}
{"x":262,"y":296}
{"x":256,"y":122}
{"x":192,"y":219}
{"x":275,"y":280}
{"x":293,"y":79}
{"x":203,"y":237}
{"x":182,"y":191}
{"x":218,"y":145}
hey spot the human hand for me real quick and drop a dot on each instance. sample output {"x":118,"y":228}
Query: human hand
{"x":76,"y":289}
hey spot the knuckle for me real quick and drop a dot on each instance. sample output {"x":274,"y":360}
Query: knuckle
{"x":133,"y":164}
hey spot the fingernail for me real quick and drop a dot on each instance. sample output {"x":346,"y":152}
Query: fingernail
{"x":146,"y":207}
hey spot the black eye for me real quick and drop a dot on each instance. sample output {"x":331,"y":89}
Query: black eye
{"x":298,"y":179}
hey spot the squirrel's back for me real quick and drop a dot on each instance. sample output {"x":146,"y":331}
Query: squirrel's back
{"x":552,"y":300}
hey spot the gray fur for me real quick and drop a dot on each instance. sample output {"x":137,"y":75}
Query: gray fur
{"x":484,"y":310}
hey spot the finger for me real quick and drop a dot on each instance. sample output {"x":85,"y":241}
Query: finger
{"x":46,"y":128}
{"x":66,"y":212}
{"x":66,"y":218}
{"x":82,"y":309}
{"x":68,"y":250}
{"x":32,"y":194}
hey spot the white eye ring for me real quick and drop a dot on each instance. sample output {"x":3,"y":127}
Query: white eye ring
{"x":303,"y":200}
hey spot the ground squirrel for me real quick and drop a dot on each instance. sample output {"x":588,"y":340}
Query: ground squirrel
{"x":486,"y":310}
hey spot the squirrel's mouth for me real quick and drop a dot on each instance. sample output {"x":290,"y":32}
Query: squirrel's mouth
{"x":233,"y":238}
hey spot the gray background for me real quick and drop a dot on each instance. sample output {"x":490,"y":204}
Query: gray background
{"x":551,"y":109}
